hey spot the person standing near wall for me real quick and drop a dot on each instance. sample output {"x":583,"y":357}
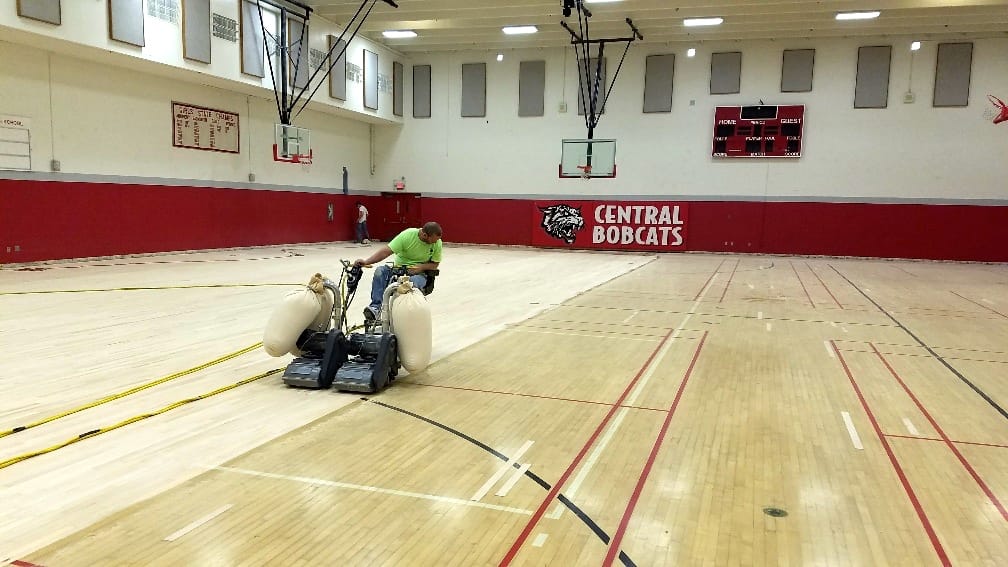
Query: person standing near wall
{"x":361,"y":229}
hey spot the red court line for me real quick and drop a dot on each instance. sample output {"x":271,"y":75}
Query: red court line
{"x":822,"y":283}
{"x":802,"y":284}
{"x":19,"y":563}
{"x":981,"y":305}
{"x":730,"y":278}
{"x":945,"y":438}
{"x":954,"y":441}
{"x":554,"y":398}
{"x":706,"y":283}
{"x":942,"y":556}
{"x":509,"y":557}
{"x":614,"y":544}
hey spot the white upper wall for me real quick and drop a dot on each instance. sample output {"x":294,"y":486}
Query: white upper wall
{"x":905,"y":151}
{"x":103,"y":108}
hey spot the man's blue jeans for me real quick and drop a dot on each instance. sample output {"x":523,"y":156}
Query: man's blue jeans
{"x":382,"y":278}
{"x":362,"y":232}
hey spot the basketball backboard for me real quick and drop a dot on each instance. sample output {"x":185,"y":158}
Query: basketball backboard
{"x":292,"y":144}
{"x":587,"y":159}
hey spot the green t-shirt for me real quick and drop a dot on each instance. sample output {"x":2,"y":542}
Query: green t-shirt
{"x":410,"y":250}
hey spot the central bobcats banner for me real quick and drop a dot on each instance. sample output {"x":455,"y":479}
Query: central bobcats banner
{"x":622,"y":225}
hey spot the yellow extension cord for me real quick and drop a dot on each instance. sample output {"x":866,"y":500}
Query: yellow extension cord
{"x":107,"y":399}
{"x":96,"y":432}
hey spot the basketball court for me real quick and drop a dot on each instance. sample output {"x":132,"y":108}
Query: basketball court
{"x":634,"y":409}
{"x":625,"y":401}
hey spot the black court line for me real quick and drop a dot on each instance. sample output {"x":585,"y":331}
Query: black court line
{"x":595,"y":528}
{"x":937,"y":356}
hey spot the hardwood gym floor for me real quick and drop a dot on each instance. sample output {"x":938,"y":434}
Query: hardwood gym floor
{"x":694,"y":410}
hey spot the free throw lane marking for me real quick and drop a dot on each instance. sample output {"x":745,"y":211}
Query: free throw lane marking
{"x":855,"y":439}
{"x":500,"y":473}
{"x":539,"y":540}
{"x":198,"y":523}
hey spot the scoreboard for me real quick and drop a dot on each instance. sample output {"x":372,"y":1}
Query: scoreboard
{"x":758,"y":131}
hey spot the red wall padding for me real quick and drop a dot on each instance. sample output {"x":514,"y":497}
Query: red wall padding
{"x":52,"y":220}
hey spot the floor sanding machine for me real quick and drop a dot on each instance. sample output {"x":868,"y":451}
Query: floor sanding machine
{"x":364,"y":358}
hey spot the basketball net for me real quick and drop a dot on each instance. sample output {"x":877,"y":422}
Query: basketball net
{"x":585,"y":171}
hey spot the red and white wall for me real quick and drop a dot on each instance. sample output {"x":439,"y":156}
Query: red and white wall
{"x":906,"y":181}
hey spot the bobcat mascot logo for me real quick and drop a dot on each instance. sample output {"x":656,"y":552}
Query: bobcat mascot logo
{"x":562,"y":222}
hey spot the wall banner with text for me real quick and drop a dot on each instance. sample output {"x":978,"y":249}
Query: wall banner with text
{"x":610,"y":225}
{"x":203,"y":128}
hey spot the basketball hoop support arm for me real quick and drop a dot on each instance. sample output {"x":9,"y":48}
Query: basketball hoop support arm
{"x":583,"y":41}
{"x":285,"y":107}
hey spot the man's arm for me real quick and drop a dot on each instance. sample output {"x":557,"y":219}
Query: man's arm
{"x":418,"y":268}
{"x":378,"y":256}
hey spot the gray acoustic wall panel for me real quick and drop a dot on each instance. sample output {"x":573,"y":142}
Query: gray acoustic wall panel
{"x":126,"y":21}
{"x":196,"y":30}
{"x":421,"y":91}
{"x":872,"y":87}
{"x":473,"y":90}
{"x":337,"y":73}
{"x":299,"y":66}
{"x":726,"y":72}
{"x":796,"y":70}
{"x":531,"y":88}
{"x":659,"y":72}
{"x":251,"y":40}
{"x":370,"y":80}
{"x":42,"y":10}
{"x":397,"y":88}
{"x":598,"y":79}
{"x":952,"y":74}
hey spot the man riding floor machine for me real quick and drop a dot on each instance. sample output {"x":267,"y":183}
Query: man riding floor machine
{"x":350,"y":361}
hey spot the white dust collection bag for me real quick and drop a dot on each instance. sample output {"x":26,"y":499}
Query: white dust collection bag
{"x":310,"y":307}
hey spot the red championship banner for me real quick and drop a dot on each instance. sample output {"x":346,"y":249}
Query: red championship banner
{"x":610,"y":225}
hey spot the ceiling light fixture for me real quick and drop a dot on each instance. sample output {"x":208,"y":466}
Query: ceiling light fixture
{"x":691,"y":22}
{"x":399,"y":34}
{"x":517,"y":30}
{"x":915,"y":46}
{"x":500,"y":56}
{"x":690,"y":52}
{"x":857,"y":15}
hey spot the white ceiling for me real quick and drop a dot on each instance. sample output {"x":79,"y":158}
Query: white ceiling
{"x":476,"y":24}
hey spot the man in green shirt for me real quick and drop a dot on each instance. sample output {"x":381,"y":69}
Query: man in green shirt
{"x":416,"y":249}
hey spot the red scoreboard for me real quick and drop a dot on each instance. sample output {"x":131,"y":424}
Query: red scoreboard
{"x":758,"y":131}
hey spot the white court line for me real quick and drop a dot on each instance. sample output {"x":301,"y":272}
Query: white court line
{"x":653,"y":340}
{"x":375,"y":489}
{"x":768,"y":326}
{"x":833,"y":323}
{"x":759,"y":315}
{"x":829,"y":349}
{"x":603,"y":441}
{"x":985,"y":300}
{"x":844,"y":329}
{"x":855,"y":439}
{"x":751,"y":286}
{"x":513,"y":480}
{"x":632,"y":315}
{"x":198,"y":523}
{"x":910,"y":427}
{"x":539,"y":540}
{"x":500,"y":473}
